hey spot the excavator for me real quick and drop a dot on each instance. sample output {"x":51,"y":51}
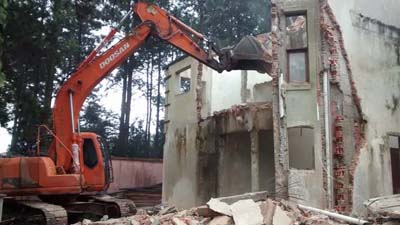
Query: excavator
{"x":70,"y":178}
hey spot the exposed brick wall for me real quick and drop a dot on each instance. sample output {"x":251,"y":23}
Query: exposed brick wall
{"x":347,"y":118}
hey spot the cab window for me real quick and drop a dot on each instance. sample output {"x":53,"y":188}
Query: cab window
{"x":89,"y":153}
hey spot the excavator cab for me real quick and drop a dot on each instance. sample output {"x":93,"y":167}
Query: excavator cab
{"x":95,"y":162}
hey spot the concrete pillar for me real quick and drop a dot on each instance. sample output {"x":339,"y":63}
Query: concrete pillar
{"x":243,"y":88}
{"x":255,"y":161}
{"x":281,"y":156}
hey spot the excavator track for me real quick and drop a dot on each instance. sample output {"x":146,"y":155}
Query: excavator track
{"x":35,"y":212}
{"x":18,"y":212}
{"x":53,"y":214}
{"x":95,"y":207}
{"x":126,"y":206}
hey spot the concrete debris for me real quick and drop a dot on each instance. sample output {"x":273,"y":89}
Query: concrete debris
{"x":267,"y":210}
{"x":167,"y":210}
{"x":255,"y":196}
{"x":281,"y":217}
{"x":242,"y":212}
{"x":246,"y":212}
{"x":219,"y":206}
{"x":205,"y":211}
{"x":221,"y":220}
{"x":177,"y":221}
{"x":384,"y":208}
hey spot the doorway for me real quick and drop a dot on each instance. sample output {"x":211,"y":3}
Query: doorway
{"x":394,"y":145}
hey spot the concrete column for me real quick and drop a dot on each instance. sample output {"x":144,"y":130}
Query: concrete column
{"x":255,"y":161}
{"x":243,"y":87}
{"x":281,"y":156}
{"x":220,"y":140}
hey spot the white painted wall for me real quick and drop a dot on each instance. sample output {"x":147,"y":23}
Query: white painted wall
{"x":374,"y":61}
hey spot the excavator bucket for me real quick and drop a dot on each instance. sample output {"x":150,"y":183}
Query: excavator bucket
{"x":249,"y":54}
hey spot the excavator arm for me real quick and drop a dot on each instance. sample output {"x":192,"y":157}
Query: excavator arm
{"x":72,"y":94}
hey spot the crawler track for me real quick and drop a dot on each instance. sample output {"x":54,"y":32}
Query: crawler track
{"x":126,"y":207}
{"x":18,"y":212}
{"x":34,"y":212}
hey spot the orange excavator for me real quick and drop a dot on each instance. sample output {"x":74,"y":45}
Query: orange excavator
{"x":77,"y":162}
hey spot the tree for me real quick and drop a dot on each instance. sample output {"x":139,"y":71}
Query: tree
{"x":3,"y":21}
{"x":95,"y":118}
{"x":44,"y":41}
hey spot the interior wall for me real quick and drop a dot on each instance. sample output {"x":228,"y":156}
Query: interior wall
{"x":234,"y":168}
{"x":234,"y":165}
{"x":267,"y":167}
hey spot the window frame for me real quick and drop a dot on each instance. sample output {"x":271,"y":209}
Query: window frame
{"x":179,"y":80}
{"x":307,"y":75}
{"x":296,"y":50}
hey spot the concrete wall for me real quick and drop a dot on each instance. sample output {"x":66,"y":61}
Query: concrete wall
{"x":235,"y":167}
{"x":132,"y":173}
{"x":180,"y":153}
{"x":371,"y":37}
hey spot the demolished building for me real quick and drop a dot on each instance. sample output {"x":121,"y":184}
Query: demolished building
{"x":322,"y":128}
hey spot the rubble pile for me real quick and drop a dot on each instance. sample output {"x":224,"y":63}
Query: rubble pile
{"x":217,"y":212}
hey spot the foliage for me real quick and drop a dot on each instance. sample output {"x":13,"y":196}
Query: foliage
{"x":97,"y":119}
{"x":3,"y":20}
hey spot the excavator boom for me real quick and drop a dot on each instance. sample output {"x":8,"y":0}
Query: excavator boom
{"x":96,"y":67}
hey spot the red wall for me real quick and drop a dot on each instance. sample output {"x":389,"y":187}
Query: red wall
{"x":132,"y":172}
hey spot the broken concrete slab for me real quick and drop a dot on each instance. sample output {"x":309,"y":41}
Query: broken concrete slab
{"x":281,"y":217}
{"x":384,"y":206}
{"x":255,"y":196}
{"x":219,"y":206}
{"x":221,"y":220}
{"x":246,"y":212}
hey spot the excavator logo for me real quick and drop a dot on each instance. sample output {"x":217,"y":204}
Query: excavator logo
{"x":114,"y":55}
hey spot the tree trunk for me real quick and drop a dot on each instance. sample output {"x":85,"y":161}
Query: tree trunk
{"x":150,"y":105}
{"x":121,"y":136}
{"x":147,"y":102}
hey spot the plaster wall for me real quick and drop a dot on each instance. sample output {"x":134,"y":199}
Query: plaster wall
{"x":371,"y":36}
